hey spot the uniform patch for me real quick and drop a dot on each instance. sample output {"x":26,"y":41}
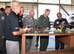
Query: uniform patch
{"x":57,"y":22}
{"x":2,"y":18}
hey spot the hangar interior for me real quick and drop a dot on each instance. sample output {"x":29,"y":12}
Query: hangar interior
{"x":66,"y":7}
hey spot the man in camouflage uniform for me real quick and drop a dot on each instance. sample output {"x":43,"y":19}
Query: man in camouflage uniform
{"x":44,"y":23}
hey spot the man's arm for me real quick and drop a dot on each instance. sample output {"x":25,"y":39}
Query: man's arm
{"x":20,"y":32}
{"x":66,"y":23}
{"x":39,"y":22}
{"x":16,"y":30}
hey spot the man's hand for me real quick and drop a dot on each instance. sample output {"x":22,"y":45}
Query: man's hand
{"x":29,"y":29}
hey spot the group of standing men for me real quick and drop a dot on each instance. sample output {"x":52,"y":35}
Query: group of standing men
{"x":14,"y":26}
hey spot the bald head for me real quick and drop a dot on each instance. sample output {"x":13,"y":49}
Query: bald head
{"x":59,"y":15}
{"x":31,"y":13}
{"x":15,"y":6}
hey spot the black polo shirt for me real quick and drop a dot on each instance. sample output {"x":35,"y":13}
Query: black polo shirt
{"x":58,"y":22}
{"x":11,"y":25}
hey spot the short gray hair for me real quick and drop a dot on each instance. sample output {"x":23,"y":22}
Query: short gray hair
{"x":47,"y":10}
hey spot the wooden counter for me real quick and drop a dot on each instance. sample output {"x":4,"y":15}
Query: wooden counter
{"x":68,"y":39}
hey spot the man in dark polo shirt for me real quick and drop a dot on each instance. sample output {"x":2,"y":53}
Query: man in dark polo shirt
{"x":12,"y":29}
{"x":60,"y":23}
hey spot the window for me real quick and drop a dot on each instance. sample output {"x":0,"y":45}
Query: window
{"x":53,"y":10}
{"x":49,"y":1}
{"x":44,"y":1}
{"x":56,"y":1}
